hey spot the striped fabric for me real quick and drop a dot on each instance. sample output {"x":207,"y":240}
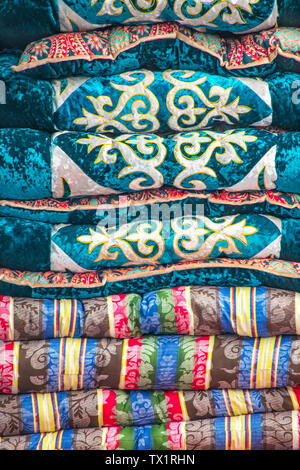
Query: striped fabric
{"x":266,"y":431}
{"x":159,"y":362}
{"x":50,"y":412}
{"x":246,"y":311}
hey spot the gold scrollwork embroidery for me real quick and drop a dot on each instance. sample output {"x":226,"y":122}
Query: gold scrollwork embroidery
{"x":190,"y":144}
{"x":113,"y":240}
{"x":148,"y":145}
{"x":220,"y":110}
{"x":106,"y":120}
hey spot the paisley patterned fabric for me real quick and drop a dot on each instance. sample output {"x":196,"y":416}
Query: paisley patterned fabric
{"x":35,"y":164}
{"x":53,"y":16}
{"x":270,"y":431}
{"x":148,"y":101}
{"x":51,"y":412}
{"x":196,"y":310}
{"x":149,"y":362}
{"x":162,"y":46}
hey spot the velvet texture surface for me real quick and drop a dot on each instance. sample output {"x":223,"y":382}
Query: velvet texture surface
{"x":28,"y":245}
{"x":147,"y":101}
{"x":197,"y":310}
{"x":101,"y":209}
{"x":53,"y":16}
{"x":35,"y":164}
{"x":279,"y":274}
{"x":161,"y":47}
{"x":39,"y":413}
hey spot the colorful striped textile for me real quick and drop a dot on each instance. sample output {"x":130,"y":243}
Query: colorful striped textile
{"x":194,"y":310}
{"x":50,"y":412}
{"x":269,"y":431}
{"x":149,"y":362}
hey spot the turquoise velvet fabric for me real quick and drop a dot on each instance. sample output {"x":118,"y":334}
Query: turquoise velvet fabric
{"x":35,"y":164}
{"x":288,"y":13}
{"x":26,"y":102}
{"x":29,"y":245}
{"x":52,"y":16}
{"x":24,"y":164}
{"x":25,"y":284}
{"x":93,"y":210}
{"x":24,"y":244}
{"x":145,"y":101}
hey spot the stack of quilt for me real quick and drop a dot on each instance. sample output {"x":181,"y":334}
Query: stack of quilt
{"x":150,"y":224}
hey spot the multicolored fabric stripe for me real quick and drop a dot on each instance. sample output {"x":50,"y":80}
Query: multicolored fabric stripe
{"x":50,"y":412}
{"x":150,"y":362}
{"x":269,"y":431}
{"x":189,"y":310}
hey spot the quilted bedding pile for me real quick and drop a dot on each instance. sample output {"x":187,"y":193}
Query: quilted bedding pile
{"x":150,"y":225}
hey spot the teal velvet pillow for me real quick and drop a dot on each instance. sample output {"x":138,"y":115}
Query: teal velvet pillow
{"x":147,"y":234}
{"x":147,"y":101}
{"x":54,"y":16}
{"x":35,"y":164}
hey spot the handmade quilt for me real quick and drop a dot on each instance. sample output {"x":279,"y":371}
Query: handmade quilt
{"x":150,"y":225}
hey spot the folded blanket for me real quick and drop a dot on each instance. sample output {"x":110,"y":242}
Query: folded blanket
{"x":50,"y":412}
{"x":35,"y":164}
{"x":29,"y":245}
{"x":210,"y":272}
{"x":149,"y":362}
{"x":162,"y":203}
{"x":191,"y":310}
{"x":53,"y":16}
{"x":269,"y":431}
{"x":159,"y":47}
{"x":147,"y":101}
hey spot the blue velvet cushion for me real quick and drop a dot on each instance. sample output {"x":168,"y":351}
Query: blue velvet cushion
{"x":35,"y":164}
{"x":52,"y":16}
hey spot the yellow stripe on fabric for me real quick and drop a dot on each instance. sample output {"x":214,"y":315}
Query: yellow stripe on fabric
{"x":104,"y":438}
{"x":297,"y":312}
{"x":265,"y":356}
{"x":50,"y":441}
{"x":65,"y":310}
{"x":243,"y":311}
{"x":46,"y":412}
{"x":11,"y":334}
{"x":295,"y":430}
{"x":208,"y":362}
{"x":73,"y":362}
{"x":293,"y":398}
{"x":185,"y":414}
{"x":100,"y":407}
{"x":124,"y":364}
{"x":238,"y":402}
{"x":190,"y":310}
{"x":182,"y":430}
{"x":15,"y":378}
{"x":238,"y":432}
{"x":111,"y":317}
